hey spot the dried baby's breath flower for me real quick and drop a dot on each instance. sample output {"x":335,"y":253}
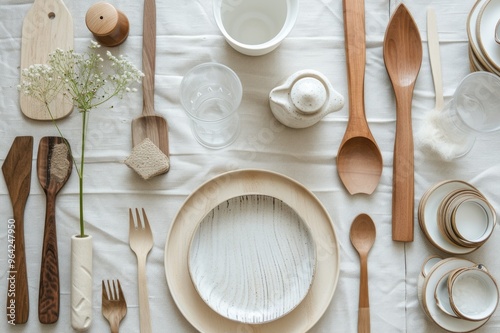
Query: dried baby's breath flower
{"x":87,"y":79}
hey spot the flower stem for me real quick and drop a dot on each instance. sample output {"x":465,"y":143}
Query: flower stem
{"x":80,"y":175}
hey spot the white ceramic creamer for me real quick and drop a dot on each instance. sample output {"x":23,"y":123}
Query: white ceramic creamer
{"x":304,"y":98}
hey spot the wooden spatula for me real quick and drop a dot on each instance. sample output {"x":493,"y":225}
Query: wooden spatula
{"x":17,"y":173}
{"x":48,"y":25}
{"x":54,"y":164}
{"x":150,"y":125}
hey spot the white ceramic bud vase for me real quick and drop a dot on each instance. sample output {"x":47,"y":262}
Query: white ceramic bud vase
{"x":81,"y":282}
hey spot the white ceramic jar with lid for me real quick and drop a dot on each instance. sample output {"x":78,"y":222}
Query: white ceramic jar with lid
{"x":304,"y":98}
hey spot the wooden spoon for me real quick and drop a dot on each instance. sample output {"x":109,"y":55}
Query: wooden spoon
{"x":54,"y":165}
{"x":359,"y":161}
{"x":403,"y":58}
{"x":362,"y":237}
{"x":149,"y":125}
{"x":17,"y":173}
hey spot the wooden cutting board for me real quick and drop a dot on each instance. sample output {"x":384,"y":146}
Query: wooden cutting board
{"x":48,"y":25}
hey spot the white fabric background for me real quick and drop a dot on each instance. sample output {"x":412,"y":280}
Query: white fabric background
{"x":187,"y":36}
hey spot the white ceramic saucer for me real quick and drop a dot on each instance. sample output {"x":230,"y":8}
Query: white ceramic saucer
{"x":428,"y":210}
{"x":252,"y":259}
{"x":485,"y":31}
{"x":441,"y":319}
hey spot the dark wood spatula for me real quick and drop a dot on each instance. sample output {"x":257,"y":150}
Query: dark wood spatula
{"x":54,"y":165}
{"x":17,"y":173}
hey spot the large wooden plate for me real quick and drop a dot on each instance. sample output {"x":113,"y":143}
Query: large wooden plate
{"x":257,"y":182}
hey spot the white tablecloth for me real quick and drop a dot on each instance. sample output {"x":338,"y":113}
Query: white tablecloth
{"x":187,"y":36}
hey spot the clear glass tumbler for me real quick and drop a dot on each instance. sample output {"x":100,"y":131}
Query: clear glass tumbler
{"x":211,"y":94}
{"x":473,"y":110}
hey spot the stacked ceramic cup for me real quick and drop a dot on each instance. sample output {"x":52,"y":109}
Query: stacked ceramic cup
{"x":456,"y":217}
{"x":457,"y":294}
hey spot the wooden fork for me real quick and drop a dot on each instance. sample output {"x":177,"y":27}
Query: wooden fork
{"x":141,"y":242}
{"x":114,"y":306}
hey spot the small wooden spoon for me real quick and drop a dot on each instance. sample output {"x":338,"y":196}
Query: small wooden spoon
{"x":403,"y":58}
{"x":362,"y":237}
{"x":359,"y":161}
{"x":54,"y":165}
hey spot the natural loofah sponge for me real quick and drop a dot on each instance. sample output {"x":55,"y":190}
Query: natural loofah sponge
{"x":148,"y":160}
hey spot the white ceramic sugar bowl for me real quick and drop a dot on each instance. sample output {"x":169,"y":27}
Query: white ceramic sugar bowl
{"x":304,"y":99}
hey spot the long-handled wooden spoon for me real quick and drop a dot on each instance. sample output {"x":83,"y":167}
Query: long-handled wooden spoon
{"x":54,"y":165}
{"x":359,"y":161}
{"x":17,"y":173}
{"x":150,"y":125}
{"x":403,"y":58}
{"x":362,"y":237}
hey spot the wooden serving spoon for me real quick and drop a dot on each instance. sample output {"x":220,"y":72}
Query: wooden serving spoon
{"x":403,"y":58}
{"x":150,"y":125}
{"x":359,"y":161}
{"x":54,"y":165}
{"x":362,"y":237}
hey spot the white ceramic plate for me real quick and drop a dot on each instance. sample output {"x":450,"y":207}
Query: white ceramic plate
{"x":485,"y":31}
{"x":427,"y":215}
{"x":441,"y":319}
{"x":252,"y":182}
{"x":252,"y":259}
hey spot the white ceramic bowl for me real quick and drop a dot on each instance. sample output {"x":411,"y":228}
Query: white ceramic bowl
{"x":255,"y":27}
{"x":473,"y":294}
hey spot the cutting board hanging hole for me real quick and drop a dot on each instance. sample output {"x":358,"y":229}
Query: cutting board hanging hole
{"x":52,"y":15}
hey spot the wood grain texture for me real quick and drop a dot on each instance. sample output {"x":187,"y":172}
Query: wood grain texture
{"x":359,"y":161}
{"x":52,"y":175}
{"x":48,"y":25}
{"x":403,"y":58}
{"x":150,"y":125}
{"x":252,"y":182}
{"x":252,"y":259}
{"x":17,"y":173}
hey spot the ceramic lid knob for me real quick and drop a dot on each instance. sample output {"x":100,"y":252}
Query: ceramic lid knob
{"x":308,"y":94}
{"x":109,"y":26}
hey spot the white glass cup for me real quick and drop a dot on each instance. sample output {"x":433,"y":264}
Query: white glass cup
{"x":255,"y":27}
{"x":211,"y":94}
{"x":473,"y":110}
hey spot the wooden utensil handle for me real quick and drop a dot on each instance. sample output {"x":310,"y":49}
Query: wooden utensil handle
{"x":403,"y":171}
{"x":144,"y":313}
{"x":364,"y":299}
{"x":435,"y":57}
{"x":149,"y":56}
{"x":355,"y":46}
{"x":17,"y":278}
{"x":48,"y":296}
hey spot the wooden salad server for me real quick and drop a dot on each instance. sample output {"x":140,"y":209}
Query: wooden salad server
{"x":150,"y":125}
{"x":17,"y":173}
{"x":48,"y":25}
{"x":359,"y":161}
{"x":403,"y":58}
{"x":54,"y":165}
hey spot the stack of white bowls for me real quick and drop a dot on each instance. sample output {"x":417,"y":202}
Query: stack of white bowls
{"x":456,"y":217}
{"x":457,"y":294}
{"x":482,"y":30}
